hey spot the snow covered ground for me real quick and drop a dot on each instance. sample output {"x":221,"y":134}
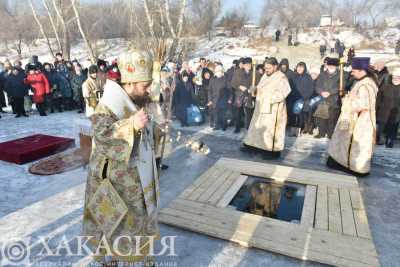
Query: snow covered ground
{"x":32,"y":206}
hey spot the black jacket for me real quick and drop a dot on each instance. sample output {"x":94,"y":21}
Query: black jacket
{"x":15,"y":86}
{"x":219,"y":92}
{"x":329,"y":83}
{"x":388,"y":104}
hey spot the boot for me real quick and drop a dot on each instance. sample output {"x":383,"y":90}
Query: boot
{"x":379,"y":140}
{"x":389,"y":143}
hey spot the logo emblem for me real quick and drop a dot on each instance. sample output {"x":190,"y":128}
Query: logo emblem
{"x":130,"y":68}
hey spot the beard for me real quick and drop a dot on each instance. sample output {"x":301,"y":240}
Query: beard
{"x":141,"y":101}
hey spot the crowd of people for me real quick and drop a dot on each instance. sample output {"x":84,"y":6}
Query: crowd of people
{"x":59,"y":86}
{"x":224,"y":97}
{"x":313,"y":105}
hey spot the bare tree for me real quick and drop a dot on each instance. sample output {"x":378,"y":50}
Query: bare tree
{"x":234,"y":20}
{"x":83,"y":34}
{"x":42,"y":31}
{"x":287,"y":12}
{"x":204,"y":14}
{"x":53,"y":25}
{"x":60,"y":11}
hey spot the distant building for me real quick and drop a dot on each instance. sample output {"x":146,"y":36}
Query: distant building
{"x":329,"y":21}
{"x":250,"y":29}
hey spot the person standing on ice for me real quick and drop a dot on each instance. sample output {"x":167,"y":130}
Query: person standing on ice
{"x":388,"y":116}
{"x":40,"y":87}
{"x":266,"y":133}
{"x":90,"y":89}
{"x":122,"y":192}
{"x":352,"y":143}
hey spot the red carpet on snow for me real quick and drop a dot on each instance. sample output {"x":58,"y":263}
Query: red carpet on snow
{"x":33,"y":147}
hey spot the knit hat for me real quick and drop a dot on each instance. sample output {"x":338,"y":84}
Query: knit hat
{"x":360,"y":63}
{"x":93,"y":69}
{"x":136,"y":66}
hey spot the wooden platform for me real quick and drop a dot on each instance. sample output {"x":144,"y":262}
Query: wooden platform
{"x":333,"y":229}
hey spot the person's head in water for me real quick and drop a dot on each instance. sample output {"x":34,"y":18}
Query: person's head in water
{"x":271,"y":66}
{"x":136,"y":74}
{"x":290,"y":192}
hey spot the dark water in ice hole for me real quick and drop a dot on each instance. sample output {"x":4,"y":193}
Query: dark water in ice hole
{"x":264,"y":197}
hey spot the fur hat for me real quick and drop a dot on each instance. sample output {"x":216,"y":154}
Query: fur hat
{"x":136,"y":66}
{"x":396,"y":72}
{"x":332,"y":61}
{"x":247,"y":60}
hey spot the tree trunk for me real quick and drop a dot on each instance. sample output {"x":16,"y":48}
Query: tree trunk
{"x":86,"y":40}
{"x":66,"y":40}
{"x":176,"y":34}
{"x":149,"y":19}
{"x":41,"y":28}
{"x":53,"y":25}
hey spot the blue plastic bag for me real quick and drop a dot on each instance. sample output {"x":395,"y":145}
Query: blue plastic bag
{"x":194,"y":116}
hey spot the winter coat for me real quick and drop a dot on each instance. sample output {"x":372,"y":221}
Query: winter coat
{"x":219,"y":92}
{"x":76,"y":86}
{"x":2,"y":96}
{"x":90,"y":89}
{"x":268,"y":124}
{"x":182,"y":99}
{"x":354,"y":136}
{"x":241,"y":78}
{"x":383,"y":77}
{"x":389,"y":104}
{"x":64,"y":85}
{"x":40,"y":86}
{"x":304,"y":85}
{"x":101,"y":79}
{"x":15,"y":86}
{"x":329,"y":83}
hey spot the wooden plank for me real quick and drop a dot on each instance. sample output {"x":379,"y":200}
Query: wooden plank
{"x":228,"y":212}
{"x":274,"y":238}
{"x":362,"y":227}
{"x":218,"y":182}
{"x":360,"y":216}
{"x":356,"y":199}
{"x":206,"y":184}
{"x":308,"y":213}
{"x":334,"y":216}
{"x":265,"y":225}
{"x":284,"y":173}
{"x":360,"y":250}
{"x":230,"y":194}
{"x":250,"y":227}
{"x":216,"y":197}
{"x":348,"y":223}
{"x":203,"y":177}
{"x":258,"y":242}
{"x":321,"y":214}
